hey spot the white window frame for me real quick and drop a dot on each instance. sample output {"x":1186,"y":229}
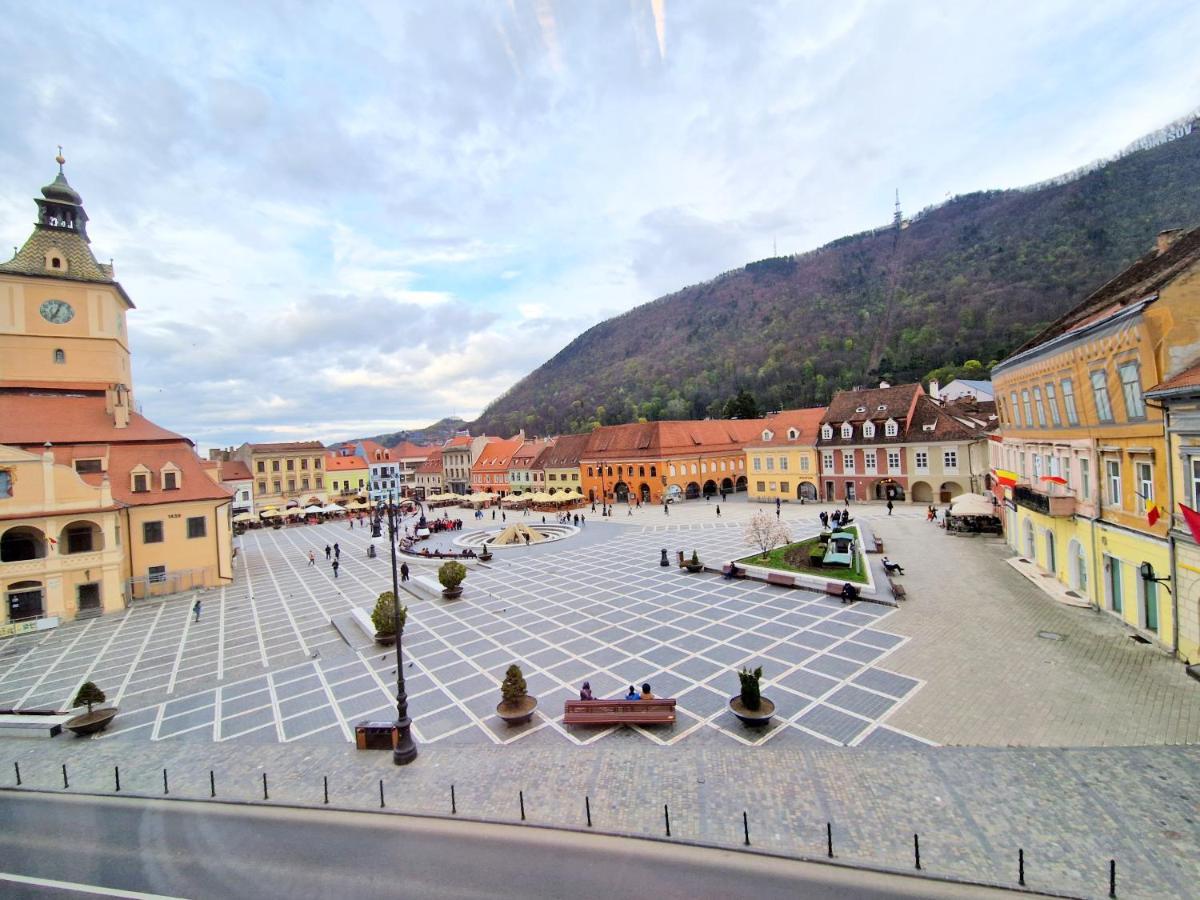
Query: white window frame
{"x":871,"y":461}
{"x":1131,"y":389}
{"x":847,"y":430}
{"x":1100,"y":395}
{"x":868,"y":429}
{"x":1144,"y":477}
{"x":757,"y":464}
{"x":1040,"y":407}
{"x":950,"y":459}
{"x":848,"y":462}
{"x":921,"y":460}
{"x":827,"y":460}
{"x":891,"y":428}
{"x":826,"y":433}
{"x":893,"y":461}
{"x":783,"y":464}
{"x":1112,"y":480}
{"x":1052,"y":402}
{"x":1085,"y":478}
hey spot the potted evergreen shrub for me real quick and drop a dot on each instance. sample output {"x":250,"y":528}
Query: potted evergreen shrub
{"x":388,"y":618}
{"x":516,"y":707}
{"x":694,"y":564}
{"x":750,"y":706}
{"x":92,"y":721}
{"x":451,"y":575}
{"x":486,"y":555}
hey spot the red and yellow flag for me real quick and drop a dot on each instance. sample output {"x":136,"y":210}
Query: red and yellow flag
{"x":1153,"y":513}
{"x":1006,"y":478}
{"x":1193,"y":521}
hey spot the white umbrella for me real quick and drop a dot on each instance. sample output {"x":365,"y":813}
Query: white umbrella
{"x":332,"y":508}
{"x":313,"y":509}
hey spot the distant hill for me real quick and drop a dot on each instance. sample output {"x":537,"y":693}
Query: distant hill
{"x":969,"y":280}
{"x":431,"y":435}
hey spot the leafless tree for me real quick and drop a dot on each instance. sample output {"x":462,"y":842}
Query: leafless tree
{"x":765,"y":532}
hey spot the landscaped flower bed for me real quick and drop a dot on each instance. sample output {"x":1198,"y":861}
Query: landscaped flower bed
{"x":796,"y":558}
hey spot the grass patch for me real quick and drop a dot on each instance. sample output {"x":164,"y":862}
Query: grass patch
{"x":777,"y":559}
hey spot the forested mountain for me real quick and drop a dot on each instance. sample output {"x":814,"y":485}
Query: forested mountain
{"x":969,"y":280}
{"x":431,"y":435}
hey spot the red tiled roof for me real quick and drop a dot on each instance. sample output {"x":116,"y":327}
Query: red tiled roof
{"x":194,"y":483}
{"x":807,"y":423}
{"x":897,"y":401}
{"x":34,"y":418}
{"x":235,"y":470}
{"x":1188,"y":378}
{"x":496,"y":455}
{"x":564,"y":453}
{"x":409,"y":450}
{"x":657,"y":440}
{"x":335,"y":463}
{"x":88,"y":386}
{"x":460,"y":440}
{"x":432,"y":464}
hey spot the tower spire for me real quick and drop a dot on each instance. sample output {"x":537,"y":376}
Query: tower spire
{"x":59,"y":159}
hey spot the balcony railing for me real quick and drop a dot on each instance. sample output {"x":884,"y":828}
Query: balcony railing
{"x":1058,"y":506}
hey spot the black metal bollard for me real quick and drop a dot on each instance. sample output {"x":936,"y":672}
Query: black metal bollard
{"x":381,"y":793}
{"x":166,"y":789}
{"x":587,"y":807}
{"x":917,"y":850}
{"x":117,"y":778}
{"x":17,"y":766}
{"x":453,"y":802}
{"x":667,"y":818}
{"x":325,"y":779}
{"x":265,"y":795}
{"x":66,"y":784}
{"x":746,"y":827}
{"x":212,"y":783}
{"x":1112,"y":878}
{"x":1021,"y":866}
{"x":521,"y":797}
{"x":829,"y":839}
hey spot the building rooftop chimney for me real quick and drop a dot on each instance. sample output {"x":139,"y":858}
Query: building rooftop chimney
{"x":1165,"y":239}
{"x":884,"y":384}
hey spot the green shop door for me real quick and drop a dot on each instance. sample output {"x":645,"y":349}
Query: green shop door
{"x":1150,"y":598}
{"x":1114,"y":583}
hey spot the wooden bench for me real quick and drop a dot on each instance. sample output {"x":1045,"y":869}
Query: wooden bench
{"x":781,"y":579}
{"x":897,"y":590}
{"x":833,"y":588}
{"x":741,"y":572}
{"x":619,"y":712}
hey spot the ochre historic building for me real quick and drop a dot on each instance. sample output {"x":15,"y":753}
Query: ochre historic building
{"x":98,"y":505}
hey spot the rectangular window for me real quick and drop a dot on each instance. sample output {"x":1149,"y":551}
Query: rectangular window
{"x":304,"y":464}
{"x":1068,"y":389}
{"x":262,"y":487}
{"x":140,"y":484}
{"x":262,"y":466}
{"x":88,"y":466}
{"x":1066,"y":470}
{"x":1113,"y":468}
{"x":762,"y":487}
{"x":783,"y":464}
{"x":893,"y":460}
{"x":827,"y":461}
{"x":158,"y":574}
{"x":79,"y":539}
{"x":291,"y":485}
{"x":1041,"y":409}
{"x":848,"y":461}
{"x":922,"y":458}
{"x":1085,"y":477}
{"x":757,"y":464}
{"x":1131,"y":388}
{"x":1145,"y":485}
{"x":197,"y":526}
{"x":1052,"y":402}
{"x":804,"y":464}
{"x":291,"y":465}
{"x":277,"y":484}
{"x":1100,"y":393}
{"x":870,"y":460}
{"x":770,"y":464}
{"x":1037,"y":467}
{"x":170,"y":481}
{"x":1028,"y":408}
{"x":785,"y":487}
{"x":152,"y":532}
{"x":274,"y":465}
{"x":950,"y":459}
{"x":1015,"y":410}
{"x":1021,"y":460}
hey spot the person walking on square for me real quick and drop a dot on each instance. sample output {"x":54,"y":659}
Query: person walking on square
{"x":196,"y":609}
{"x":824,"y":517}
{"x":889,"y":505}
{"x":404,"y":571}
{"x":351,"y":524}
{"x":337,"y":552}
{"x":718,"y":511}
{"x":327,"y":552}
{"x":335,"y":568}
{"x":312,"y":559}
{"x":630,"y":513}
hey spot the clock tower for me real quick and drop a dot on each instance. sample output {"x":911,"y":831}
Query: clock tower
{"x":62,"y":313}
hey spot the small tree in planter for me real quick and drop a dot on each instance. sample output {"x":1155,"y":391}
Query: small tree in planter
{"x":451,"y":575}
{"x":694,"y":564}
{"x":750,"y":706}
{"x":388,"y":618}
{"x":517,"y":706}
{"x":93,"y":720}
{"x":766,"y":532}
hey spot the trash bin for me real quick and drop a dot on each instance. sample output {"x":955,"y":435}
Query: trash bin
{"x":376,"y":735}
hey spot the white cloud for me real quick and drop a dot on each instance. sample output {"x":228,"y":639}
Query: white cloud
{"x":328,"y":233}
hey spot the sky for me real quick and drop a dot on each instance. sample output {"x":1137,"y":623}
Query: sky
{"x":344,"y":219}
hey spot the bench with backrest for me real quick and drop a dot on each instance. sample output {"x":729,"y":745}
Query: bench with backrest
{"x":897,"y":590}
{"x":729,"y":572}
{"x":619,"y":712}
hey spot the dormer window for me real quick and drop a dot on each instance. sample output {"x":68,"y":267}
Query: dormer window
{"x":861,"y":409}
{"x":826,"y":433}
{"x":882,"y":407}
{"x":139,"y":480}
{"x":60,"y":357}
{"x":847,"y":430}
{"x":171,"y":477}
{"x":928,"y":427}
{"x":793,"y":434}
{"x":890,"y":428}
{"x":767,"y":435}
{"x":868,"y":429}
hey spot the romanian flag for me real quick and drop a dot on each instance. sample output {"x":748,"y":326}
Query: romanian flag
{"x":1054,"y":479}
{"x":1006,"y":478}
{"x":1193,"y":521}
{"x":1153,"y":512}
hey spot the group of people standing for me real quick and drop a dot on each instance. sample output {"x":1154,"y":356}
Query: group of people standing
{"x":835,"y":520}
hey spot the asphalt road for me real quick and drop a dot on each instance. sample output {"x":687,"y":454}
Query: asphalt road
{"x":78,"y":846}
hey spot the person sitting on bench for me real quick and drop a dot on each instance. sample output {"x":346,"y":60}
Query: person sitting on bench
{"x":849,"y":593}
{"x":892,"y":568}
{"x":731,"y":571}
{"x":633,"y":694}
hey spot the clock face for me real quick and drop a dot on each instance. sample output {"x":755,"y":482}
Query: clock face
{"x":58,"y":312}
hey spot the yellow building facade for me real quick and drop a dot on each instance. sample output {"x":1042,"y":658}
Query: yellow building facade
{"x":782,"y":464}
{"x":1090,"y":453}
{"x":290,"y":472}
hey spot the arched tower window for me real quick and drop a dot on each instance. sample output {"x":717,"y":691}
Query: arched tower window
{"x":60,"y":357}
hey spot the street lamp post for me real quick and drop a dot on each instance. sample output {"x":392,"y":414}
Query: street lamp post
{"x":405,"y":750}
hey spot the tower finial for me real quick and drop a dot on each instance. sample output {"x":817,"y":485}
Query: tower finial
{"x":59,"y":159}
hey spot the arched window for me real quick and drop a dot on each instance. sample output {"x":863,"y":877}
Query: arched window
{"x":654,"y":471}
{"x":60,"y":356}
{"x":793,"y":434}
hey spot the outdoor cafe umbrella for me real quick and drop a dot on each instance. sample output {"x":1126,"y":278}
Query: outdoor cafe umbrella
{"x":294,"y":512}
{"x":272,"y":514}
{"x":243,"y":517}
{"x":972,"y":505}
{"x":313,"y":510}
{"x":332,"y":508}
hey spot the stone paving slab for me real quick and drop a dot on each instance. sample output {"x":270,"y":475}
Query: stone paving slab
{"x":1070,"y":810}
